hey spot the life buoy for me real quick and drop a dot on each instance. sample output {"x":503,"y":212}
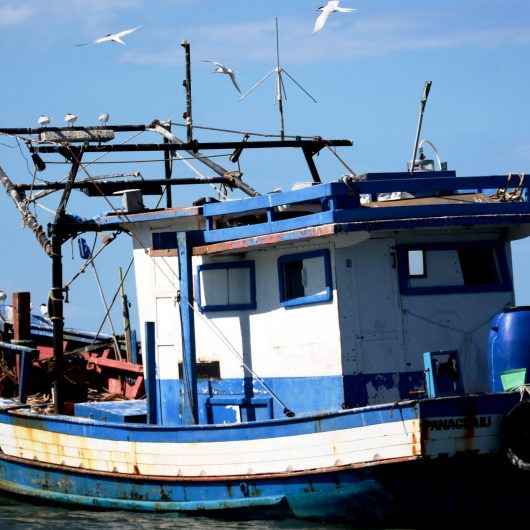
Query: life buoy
{"x":516,"y":435}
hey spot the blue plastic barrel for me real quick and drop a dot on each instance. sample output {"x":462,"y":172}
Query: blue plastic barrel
{"x":509,"y":344}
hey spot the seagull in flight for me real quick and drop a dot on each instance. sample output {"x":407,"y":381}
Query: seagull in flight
{"x":222,"y":69}
{"x":331,"y":7}
{"x":117,"y":38}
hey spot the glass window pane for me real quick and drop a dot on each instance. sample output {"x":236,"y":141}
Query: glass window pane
{"x":416,"y":262}
{"x":214,"y":287}
{"x":314,"y":276}
{"x":239,"y":286}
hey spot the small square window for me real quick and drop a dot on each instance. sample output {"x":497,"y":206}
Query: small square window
{"x":416,"y":261}
{"x":305,"y":278}
{"x":226,"y":286}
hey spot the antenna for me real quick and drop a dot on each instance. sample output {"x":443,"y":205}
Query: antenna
{"x":281,"y":94}
{"x":423,"y":104}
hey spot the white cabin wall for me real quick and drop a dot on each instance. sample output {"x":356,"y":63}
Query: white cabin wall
{"x":157,"y":287}
{"x":300,"y":341}
{"x":404,"y":326}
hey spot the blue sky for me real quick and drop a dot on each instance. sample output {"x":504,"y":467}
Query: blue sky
{"x":366,"y":70}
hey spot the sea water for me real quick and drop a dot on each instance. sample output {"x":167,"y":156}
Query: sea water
{"x":17,"y":515}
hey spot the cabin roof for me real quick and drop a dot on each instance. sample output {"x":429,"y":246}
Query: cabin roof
{"x":370,"y":202}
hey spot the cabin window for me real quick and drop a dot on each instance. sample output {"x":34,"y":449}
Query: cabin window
{"x":416,"y":261}
{"x":164,"y":240}
{"x":227,"y":286}
{"x":444,"y":268}
{"x":305,"y":278}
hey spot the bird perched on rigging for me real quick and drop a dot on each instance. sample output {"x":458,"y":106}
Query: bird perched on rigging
{"x":222,"y":69}
{"x":104,"y":118}
{"x":44,"y":120}
{"x":117,"y":38}
{"x":44,"y":311}
{"x":70,"y":118}
{"x":325,"y":11}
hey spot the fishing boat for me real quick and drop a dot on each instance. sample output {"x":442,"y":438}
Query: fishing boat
{"x":342,"y":350}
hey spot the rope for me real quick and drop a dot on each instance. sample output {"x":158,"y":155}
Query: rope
{"x":233,"y":131}
{"x":342,"y":161}
{"x":503,"y":195}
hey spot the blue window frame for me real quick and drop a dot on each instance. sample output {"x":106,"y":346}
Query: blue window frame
{"x":305,"y":278}
{"x":226,"y":286}
{"x":450,"y":268}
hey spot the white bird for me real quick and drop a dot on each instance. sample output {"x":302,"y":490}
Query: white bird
{"x":70,"y":119}
{"x":3,"y":296}
{"x":44,"y":311}
{"x":44,"y":120}
{"x":104,"y":118}
{"x":331,"y":7}
{"x":222,"y":69}
{"x":113,"y":37}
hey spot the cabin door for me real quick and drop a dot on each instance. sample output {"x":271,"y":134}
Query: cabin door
{"x":371,"y":318}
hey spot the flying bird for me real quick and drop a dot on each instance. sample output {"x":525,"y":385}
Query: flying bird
{"x":222,"y":69}
{"x":70,"y":119}
{"x":331,"y":7}
{"x":117,"y":38}
{"x":44,"y":120}
{"x":104,"y":118}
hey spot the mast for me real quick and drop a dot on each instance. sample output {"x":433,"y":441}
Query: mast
{"x":57,"y":290}
{"x":188,"y":115}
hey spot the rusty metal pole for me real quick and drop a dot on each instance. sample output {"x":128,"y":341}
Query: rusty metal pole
{"x":57,"y":317}
{"x":126,"y":318}
{"x":188,"y":116}
{"x":168,"y":167}
{"x":21,"y":318}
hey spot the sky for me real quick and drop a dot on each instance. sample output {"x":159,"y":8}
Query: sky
{"x":366,"y":70}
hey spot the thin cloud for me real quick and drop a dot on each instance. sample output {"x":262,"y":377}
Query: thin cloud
{"x":344,"y":38}
{"x":11,"y":15}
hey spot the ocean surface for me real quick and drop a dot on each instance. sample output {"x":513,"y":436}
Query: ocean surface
{"x":17,"y":514}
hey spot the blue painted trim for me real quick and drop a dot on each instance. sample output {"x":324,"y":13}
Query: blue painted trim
{"x":366,"y":214}
{"x":311,"y":299}
{"x":225,"y":266}
{"x":505,"y":285}
{"x":187,"y":317}
{"x":151,"y":389}
{"x":240,"y":232}
{"x":269,"y":429}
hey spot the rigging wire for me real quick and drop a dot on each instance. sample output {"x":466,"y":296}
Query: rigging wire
{"x":250,"y":133}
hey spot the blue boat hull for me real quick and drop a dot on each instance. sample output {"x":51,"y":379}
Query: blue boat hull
{"x":408,"y":488}
{"x":405,"y":493}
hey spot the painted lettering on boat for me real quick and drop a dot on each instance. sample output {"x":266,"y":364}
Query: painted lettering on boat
{"x":453,"y":424}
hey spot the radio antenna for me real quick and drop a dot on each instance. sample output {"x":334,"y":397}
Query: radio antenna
{"x":423,"y":104}
{"x":281,"y":94}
